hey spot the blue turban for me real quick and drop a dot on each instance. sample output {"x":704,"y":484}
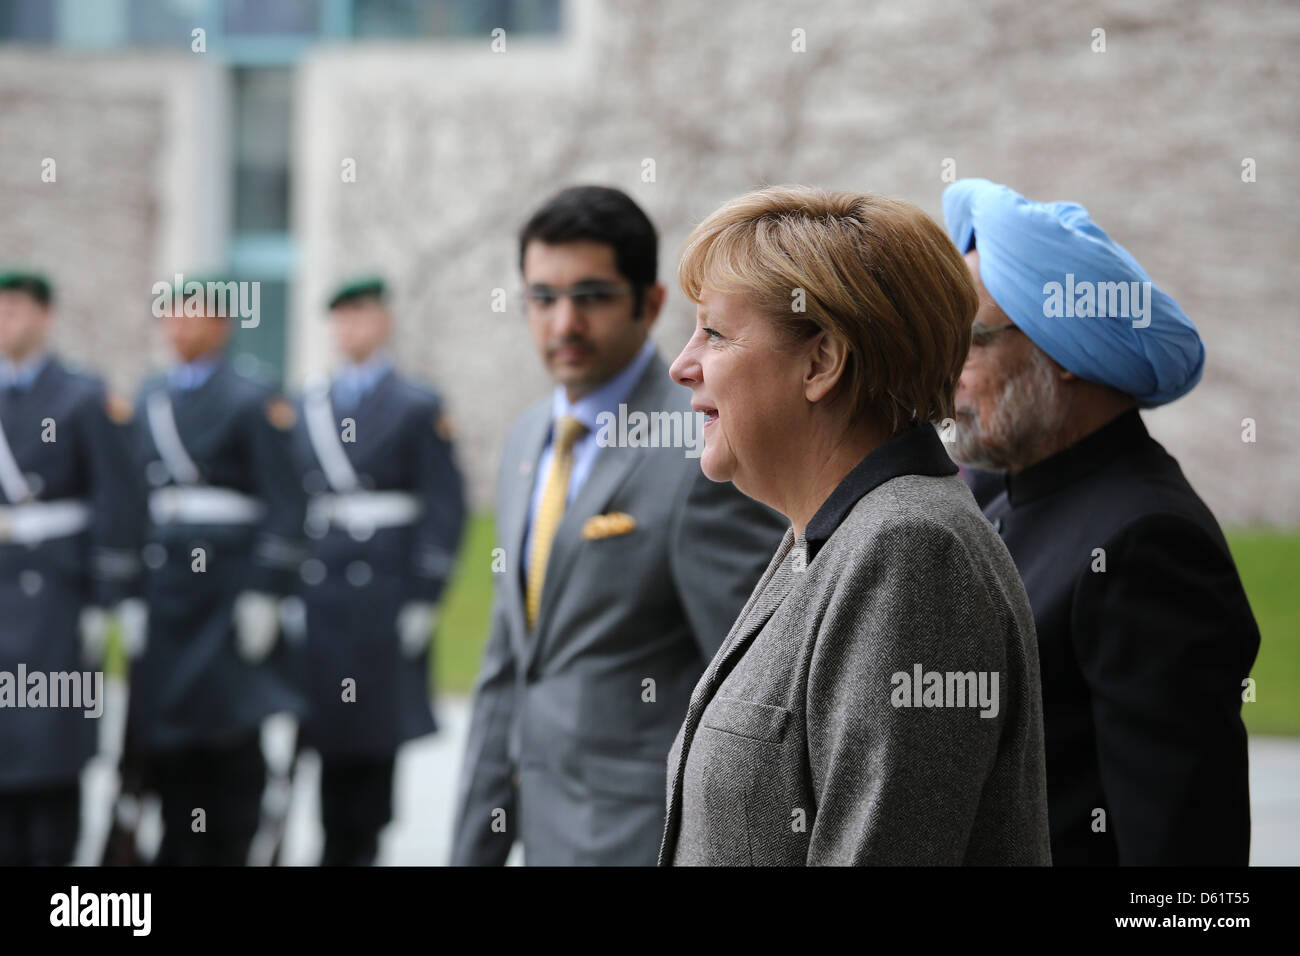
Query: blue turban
{"x":1078,"y":294}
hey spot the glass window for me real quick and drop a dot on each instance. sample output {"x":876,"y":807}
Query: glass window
{"x":100,"y":23}
{"x":25,"y":22}
{"x":88,"y":24}
{"x":532,"y":16}
{"x":165,"y":22}
{"x":263,"y":116}
{"x":422,"y":18}
{"x":281,"y":18}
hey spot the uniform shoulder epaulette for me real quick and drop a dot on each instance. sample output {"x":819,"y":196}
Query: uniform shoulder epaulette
{"x":118,"y":407}
{"x":428,"y":397}
{"x":280,"y":412}
{"x":445,"y":425}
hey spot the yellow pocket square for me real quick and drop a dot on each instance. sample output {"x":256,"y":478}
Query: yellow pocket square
{"x":607,"y":526}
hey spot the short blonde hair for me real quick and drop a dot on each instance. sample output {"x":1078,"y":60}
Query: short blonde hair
{"x":877,"y":272}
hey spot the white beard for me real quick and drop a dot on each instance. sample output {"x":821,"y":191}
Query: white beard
{"x":1032,"y":407}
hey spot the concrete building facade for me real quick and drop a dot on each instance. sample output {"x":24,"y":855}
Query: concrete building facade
{"x":420,"y":158}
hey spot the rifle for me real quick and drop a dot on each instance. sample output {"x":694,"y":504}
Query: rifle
{"x":276,"y":803}
{"x":120,"y":846}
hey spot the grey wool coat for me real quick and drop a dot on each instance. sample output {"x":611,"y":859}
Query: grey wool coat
{"x":800,"y":746}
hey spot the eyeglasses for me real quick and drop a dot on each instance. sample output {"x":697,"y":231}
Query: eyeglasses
{"x":585,"y":296}
{"x":981,"y":337}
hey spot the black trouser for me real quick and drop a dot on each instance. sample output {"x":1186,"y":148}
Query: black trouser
{"x":225,"y":782}
{"x":356,"y":798}
{"x":39,"y":827}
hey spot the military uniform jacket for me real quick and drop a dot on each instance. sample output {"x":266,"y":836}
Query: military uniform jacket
{"x":191,"y":686}
{"x":1145,"y":637}
{"x":69,"y":450}
{"x":360,"y":574}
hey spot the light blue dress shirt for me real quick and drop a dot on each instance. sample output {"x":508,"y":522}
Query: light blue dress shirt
{"x":353,"y":380}
{"x":22,"y":374}
{"x":606,"y":398}
{"x":187,"y":376}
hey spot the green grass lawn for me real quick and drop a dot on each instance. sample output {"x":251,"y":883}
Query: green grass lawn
{"x":1269,"y":562}
{"x":466,"y":607}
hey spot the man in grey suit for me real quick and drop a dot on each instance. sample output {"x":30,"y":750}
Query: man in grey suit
{"x":623,"y":566}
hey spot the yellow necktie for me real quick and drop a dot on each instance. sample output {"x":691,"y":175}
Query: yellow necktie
{"x":550,"y":511}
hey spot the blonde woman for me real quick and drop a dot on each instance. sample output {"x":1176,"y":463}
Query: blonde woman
{"x":877,"y":700}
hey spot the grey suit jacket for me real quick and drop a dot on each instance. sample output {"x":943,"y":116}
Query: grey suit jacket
{"x":572,"y":720}
{"x":798,"y":746}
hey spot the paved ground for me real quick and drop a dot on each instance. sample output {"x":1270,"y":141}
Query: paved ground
{"x":426,"y":779}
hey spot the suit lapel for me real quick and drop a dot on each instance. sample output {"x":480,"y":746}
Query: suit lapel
{"x":770,"y":592}
{"x":611,"y":467}
{"x":372,"y":410}
{"x":516,"y":501}
{"x":374,"y":398}
{"x":185,"y":401}
{"x":49,"y":375}
{"x":608,"y":472}
{"x":767,"y":597}
{"x":197,"y":415}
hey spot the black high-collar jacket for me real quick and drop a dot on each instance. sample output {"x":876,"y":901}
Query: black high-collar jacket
{"x":1145,"y":638}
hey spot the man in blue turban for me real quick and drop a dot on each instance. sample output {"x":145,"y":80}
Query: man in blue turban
{"x":1145,"y":634}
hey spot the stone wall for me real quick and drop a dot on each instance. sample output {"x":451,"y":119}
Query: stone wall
{"x":453,"y":146}
{"x":134,"y":194}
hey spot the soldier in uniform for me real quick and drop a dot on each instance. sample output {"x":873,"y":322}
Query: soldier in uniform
{"x":69,"y":520}
{"x":384,"y":520}
{"x":223,"y":548}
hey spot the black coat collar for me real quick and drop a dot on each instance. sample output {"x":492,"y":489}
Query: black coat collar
{"x":1090,"y":453}
{"x":918,"y":451}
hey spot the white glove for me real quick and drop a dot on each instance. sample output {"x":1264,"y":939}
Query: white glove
{"x":133,"y":619}
{"x":94,"y":635}
{"x":257,"y":623}
{"x":415,"y":627}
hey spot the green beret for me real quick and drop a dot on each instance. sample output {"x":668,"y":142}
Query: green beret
{"x":33,"y":283}
{"x":366,"y":287}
